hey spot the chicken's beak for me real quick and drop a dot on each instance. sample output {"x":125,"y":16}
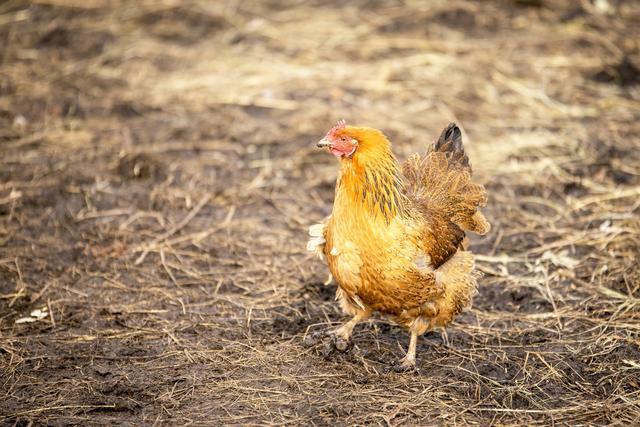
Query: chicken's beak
{"x":323,"y":143}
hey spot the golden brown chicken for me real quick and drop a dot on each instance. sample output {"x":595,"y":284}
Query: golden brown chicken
{"x":394,"y":240}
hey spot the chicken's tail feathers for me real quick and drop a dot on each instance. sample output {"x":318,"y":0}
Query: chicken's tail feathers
{"x":451,"y":134}
{"x":440,"y":183}
{"x":450,"y":143}
{"x":476,"y":223}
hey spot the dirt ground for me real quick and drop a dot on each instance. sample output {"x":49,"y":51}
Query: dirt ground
{"x":158,"y":174}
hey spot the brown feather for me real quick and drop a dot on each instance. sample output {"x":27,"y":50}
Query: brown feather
{"x":439,"y":185}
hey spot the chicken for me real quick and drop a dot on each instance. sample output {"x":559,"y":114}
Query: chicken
{"x":394,"y":242}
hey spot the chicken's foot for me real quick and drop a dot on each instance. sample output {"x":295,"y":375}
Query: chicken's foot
{"x":338,"y":338}
{"x":408,"y":362}
{"x":344,"y":332}
{"x":418,"y":327}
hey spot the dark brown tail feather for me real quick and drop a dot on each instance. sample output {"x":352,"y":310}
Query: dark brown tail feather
{"x":450,"y":143}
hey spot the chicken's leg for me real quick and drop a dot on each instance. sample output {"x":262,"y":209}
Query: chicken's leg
{"x":344,"y":332}
{"x":409,"y":360}
{"x":418,"y":327}
{"x":339,"y":338}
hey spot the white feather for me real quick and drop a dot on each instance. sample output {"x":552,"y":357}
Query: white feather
{"x":423,"y":262}
{"x":317,"y":241}
{"x":317,"y":230}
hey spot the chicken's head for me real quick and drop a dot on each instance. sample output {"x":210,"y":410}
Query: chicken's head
{"x":339,"y":142}
{"x":356,"y":143}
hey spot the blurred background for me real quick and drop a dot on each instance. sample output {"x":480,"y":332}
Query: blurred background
{"x":158,"y":174}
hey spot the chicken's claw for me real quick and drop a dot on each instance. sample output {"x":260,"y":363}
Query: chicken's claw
{"x":329,"y":340}
{"x":341,"y":344}
{"x":309,"y":341}
{"x":328,"y":347}
{"x":405,"y":365}
{"x":312,"y":339}
{"x":334,"y":343}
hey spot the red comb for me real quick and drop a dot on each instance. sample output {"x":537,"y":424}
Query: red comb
{"x":338,"y":127}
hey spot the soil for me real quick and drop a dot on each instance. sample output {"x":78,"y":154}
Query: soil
{"x":158,"y":174}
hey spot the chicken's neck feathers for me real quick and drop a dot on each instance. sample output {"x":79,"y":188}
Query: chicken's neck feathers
{"x":370,"y":190}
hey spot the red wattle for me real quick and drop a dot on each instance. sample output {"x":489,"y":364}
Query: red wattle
{"x":342,"y":151}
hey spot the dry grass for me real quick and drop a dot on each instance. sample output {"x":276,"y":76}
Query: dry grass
{"x":158,"y":174}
